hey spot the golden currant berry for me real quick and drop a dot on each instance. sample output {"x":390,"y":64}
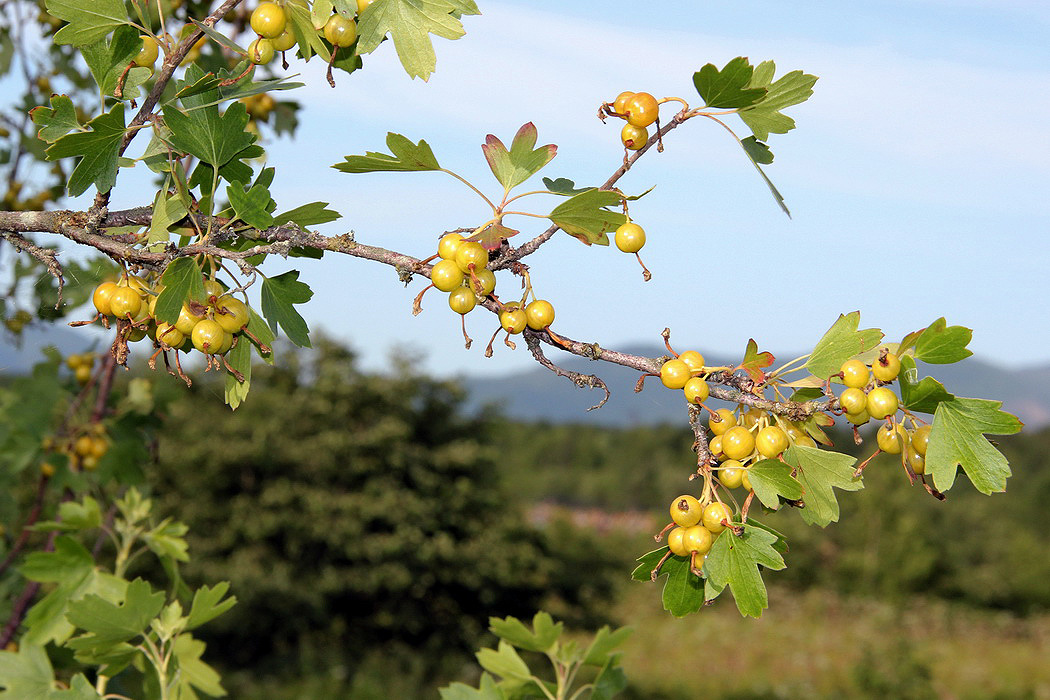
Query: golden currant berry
{"x":882,"y":402}
{"x":731,"y":474}
{"x":694,"y":359}
{"x":125,"y":302}
{"x":630,"y":237}
{"x":891,"y":439}
{"x":285,"y":42}
{"x":101,"y":298}
{"x":855,"y":374}
{"x":82,"y":374}
{"x":714,"y":514}
{"x":745,"y":480}
{"x":715,"y":446}
{"x":674,"y":374}
{"x":208,"y":336}
{"x":462,"y":300}
{"x":641,"y":109}
{"x":719,"y":427}
{"x":686,"y":511}
{"x":676,"y":541}
{"x":471,"y":255}
{"x":340,"y":31}
{"x":859,"y":418}
{"x":633,"y":138}
{"x":738,"y":442}
{"x":448,"y":245}
{"x":170,"y":335}
{"x":187,"y":320}
{"x":886,"y":369}
{"x":539,"y":314}
{"x":485,"y":282}
{"x":231,"y":313}
{"x":750,"y":417}
{"x":771,"y":441}
{"x":619,"y":104}
{"x":697,"y":539}
{"x":916,"y":461}
{"x":147,"y":55}
{"x":853,"y":401}
{"x":512,"y":319}
{"x":260,"y":51}
{"x":446,"y":275}
{"x":269,"y":20}
{"x":920,"y":439}
{"x":696,"y":390}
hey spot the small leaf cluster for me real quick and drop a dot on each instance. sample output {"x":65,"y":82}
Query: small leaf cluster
{"x":577,"y":670}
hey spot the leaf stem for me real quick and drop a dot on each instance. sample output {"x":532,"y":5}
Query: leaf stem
{"x":476,"y":190}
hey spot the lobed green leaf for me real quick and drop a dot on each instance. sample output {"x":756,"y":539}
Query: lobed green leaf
{"x":728,"y":88}
{"x":734,"y":560}
{"x":522,"y":161}
{"x":941,"y":344}
{"x":840,"y":343}
{"x":98,"y":148}
{"x":279,"y":296}
{"x":409,"y":24}
{"x":89,"y":20}
{"x":819,"y":471}
{"x":957,"y":440}
{"x":584,"y":216}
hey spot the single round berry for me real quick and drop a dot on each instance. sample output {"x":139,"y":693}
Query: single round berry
{"x":82,"y":374}
{"x":187,"y":320}
{"x":483,"y":282}
{"x":920,"y":439}
{"x":751,"y":416}
{"x":269,"y":20}
{"x":731,"y":474}
{"x":886,"y":369}
{"x":854,"y":401}
{"x":539,"y":314}
{"x":340,"y":31}
{"x":714,"y":514}
{"x":676,"y":541}
{"x":771,"y":441}
{"x":633,"y":137}
{"x":227,"y":343}
{"x":630,"y":237}
{"x":686,"y":511}
{"x":84,"y":445}
{"x":446,"y":275}
{"x":859,"y":418}
{"x":285,"y":41}
{"x":795,"y":431}
{"x":855,"y":374}
{"x":719,"y":427}
{"x":513,"y":320}
{"x":448,"y":245}
{"x":891,"y":439}
{"x":738,"y":442}
{"x":125,"y":302}
{"x":147,"y":55}
{"x":916,"y":461}
{"x":696,"y":390}
{"x":714,"y":445}
{"x":674,"y":374}
{"x":208,"y":336}
{"x":170,"y":335}
{"x":260,"y":51}
{"x":101,"y":298}
{"x":231,"y":313}
{"x":697,"y":539}
{"x":462,"y":300}
{"x":471,"y":253}
{"x":694,"y":359}
{"x":641,"y":109}
{"x":882,"y":402}
{"x":619,"y":104}
{"x":745,"y":481}
{"x":805,"y":441}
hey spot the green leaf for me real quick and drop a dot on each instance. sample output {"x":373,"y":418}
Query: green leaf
{"x":192,"y":671}
{"x":923,"y":396}
{"x":646,"y":563}
{"x":279,"y":295}
{"x":407,"y":157}
{"x":310,"y":214}
{"x":56,"y":121}
{"x":492,"y":236}
{"x":585,"y":218}
{"x":239,"y":358}
{"x":771,"y":478}
{"x":564,"y":186}
{"x":757,"y":151}
{"x":600,"y":652}
{"x":609,"y":682}
{"x":409,"y":23}
{"x":684,"y":591}
{"x":818,"y":471}
{"x":68,"y":562}
{"x":840,"y":343}
{"x":251,"y":205}
{"x":79,"y":689}
{"x":764,"y":117}
{"x":733,"y":561}
{"x":98,"y":149}
{"x":486,"y":690}
{"x":521,"y":162}
{"x":262,"y":335}
{"x":109,"y":58}
{"x":957,"y":440}
{"x":166,"y":540}
{"x":728,"y":88}
{"x":108,"y":623}
{"x":182,"y":280}
{"x":26,"y":674}
{"x":504,"y":663}
{"x":941,"y":344}
{"x":166,"y":211}
{"x":209,"y":603}
{"x":89,"y":20}
{"x":202,"y":132}
{"x":513,"y":630}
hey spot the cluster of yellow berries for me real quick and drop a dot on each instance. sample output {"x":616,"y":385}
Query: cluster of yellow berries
{"x":738,"y":440}
{"x":686,"y":372}
{"x":270,"y":22}
{"x":81,"y":364}
{"x":865,"y":397}
{"x":209,"y":327}
{"x":696,"y":526}
{"x":640,"y":109}
{"x":83,"y":449}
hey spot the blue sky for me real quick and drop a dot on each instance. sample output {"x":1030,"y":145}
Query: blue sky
{"x":917,"y":176}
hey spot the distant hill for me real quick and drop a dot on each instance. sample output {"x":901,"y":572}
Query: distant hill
{"x":537,"y":394}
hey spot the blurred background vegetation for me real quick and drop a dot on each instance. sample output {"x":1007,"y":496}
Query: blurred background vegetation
{"x":370,"y":525}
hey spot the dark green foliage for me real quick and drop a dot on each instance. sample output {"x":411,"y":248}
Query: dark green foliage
{"x":351,"y":512}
